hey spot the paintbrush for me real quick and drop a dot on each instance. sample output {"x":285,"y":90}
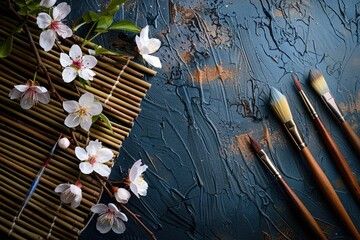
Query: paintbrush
{"x":330,"y":143}
{"x":37,"y":179}
{"x":281,"y":107}
{"x":318,"y":82}
{"x":295,"y":200}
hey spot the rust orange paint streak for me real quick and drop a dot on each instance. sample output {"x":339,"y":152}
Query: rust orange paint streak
{"x":210,"y":74}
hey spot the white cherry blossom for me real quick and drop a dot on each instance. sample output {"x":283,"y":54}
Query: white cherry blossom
{"x":30,"y":94}
{"x":148,"y":46}
{"x":109,"y":218}
{"x":93,"y":158}
{"x":70,"y":193}
{"x":53,"y":25}
{"x":77,"y":64}
{"x":121,"y":194}
{"x":82,"y":112}
{"x":136,"y":180}
{"x":47,"y":3}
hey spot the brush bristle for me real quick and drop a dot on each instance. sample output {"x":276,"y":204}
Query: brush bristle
{"x":318,"y":82}
{"x":255,"y":144}
{"x":280,"y":105}
{"x":296,"y":81}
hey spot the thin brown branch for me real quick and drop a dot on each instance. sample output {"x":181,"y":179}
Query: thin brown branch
{"x":41,"y":65}
{"x":137,"y":219}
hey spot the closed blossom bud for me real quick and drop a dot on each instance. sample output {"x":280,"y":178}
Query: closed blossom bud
{"x":64,"y":143}
{"x":121,"y":194}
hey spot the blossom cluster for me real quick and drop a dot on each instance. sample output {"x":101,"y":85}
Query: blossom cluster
{"x":94,"y":158}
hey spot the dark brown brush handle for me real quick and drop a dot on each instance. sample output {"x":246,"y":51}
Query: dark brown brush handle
{"x":352,"y":136}
{"x":329,"y":193}
{"x":339,"y":160}
{"x":303,"y":211}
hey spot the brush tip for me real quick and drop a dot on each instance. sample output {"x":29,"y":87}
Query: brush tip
{"x":280,"y":105}
{"x":296,"y":82}
{"x":255,"y":144}
{"x":318,"y":82}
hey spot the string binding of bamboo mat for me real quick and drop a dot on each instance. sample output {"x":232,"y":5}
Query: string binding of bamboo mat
{"x":26,"y":136}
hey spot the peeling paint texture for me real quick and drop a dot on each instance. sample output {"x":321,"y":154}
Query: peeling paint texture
{"x":219,"y":60}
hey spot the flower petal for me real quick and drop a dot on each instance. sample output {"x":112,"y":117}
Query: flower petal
{"x":122,"y":216}
{"x":39,"y":89}
{"x":133,"y":174}
{"x":22,"y":88}
{"x":113,"y":208}
{"x":95,"y":109}
{"x":71,"y":106}
{"x":47,"y":39}
{"x":81,"y":154}
{"x":134,"y":189}
{"x":47,"y":3}
{"x":153,"y":45}
{"x":93,"y":147}
{"x":85,"y":122}
{"x":69,"y":74}
{"x":152,"y":60}
{"x":103,"y":226}
{"x":65,"y":60}
{"x":86,"y":74}
{"x":14,"y":93}
{"x":89,"y":61}
{"x":61,"y":11}
{"x":138,"y":43}
{"x":62,"y":187}
{"x":29,"y":98}
{"x":144,"y":34}
{"x":72,"y":120}
{"x":142,"y":188}
{"x":99,"y":208}
{"x":86,"y":99}
{"x":86,"y":168}
{"x":102,"y":169}
{"x":104,"y":155}
{"x":43,"y":20}
{"x":43,"y":97}
{"x":63,"y":30}
{"x":118,"y":226}
{"x":75,"y":52}
{"x":76,"y":202}
{"x":66,"y":196}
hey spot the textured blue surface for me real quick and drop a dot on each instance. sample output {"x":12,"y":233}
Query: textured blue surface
{"x":219,"y":60}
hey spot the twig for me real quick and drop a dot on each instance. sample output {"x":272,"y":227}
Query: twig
{"x":136,"y":218}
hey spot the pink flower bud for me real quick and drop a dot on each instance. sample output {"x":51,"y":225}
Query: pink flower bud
{"x":64,"y":143}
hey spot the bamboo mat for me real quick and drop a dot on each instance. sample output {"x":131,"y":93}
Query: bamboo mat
{"x":26,"y":136}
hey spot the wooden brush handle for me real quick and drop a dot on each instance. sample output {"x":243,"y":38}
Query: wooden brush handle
{"x":339,"y":159}
{"x":329,"y":193}
{"x":302,"y":211}
{"x":352,"y":136}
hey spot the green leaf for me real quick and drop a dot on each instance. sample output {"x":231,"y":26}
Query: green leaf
{"x":107,"y":122}
{"x":85,"y":82}
{"x":90,"y":16}
{"x":125,"y":25}
{"x":95,"y":118}
{"x":114,"y":4}
{"x":6,"y":46}
{"x":104,"y":23}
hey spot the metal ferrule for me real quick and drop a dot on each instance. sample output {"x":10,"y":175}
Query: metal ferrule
{"x":269,"y":164}
{"x":295,"y":134}
{"x":331,"y":104}
{"x":308,"y":104}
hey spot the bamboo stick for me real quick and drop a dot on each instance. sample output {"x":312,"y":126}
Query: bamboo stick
{"x":35,"y":220}
{"x":27,"y":226}
{"x":37,"y":206}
